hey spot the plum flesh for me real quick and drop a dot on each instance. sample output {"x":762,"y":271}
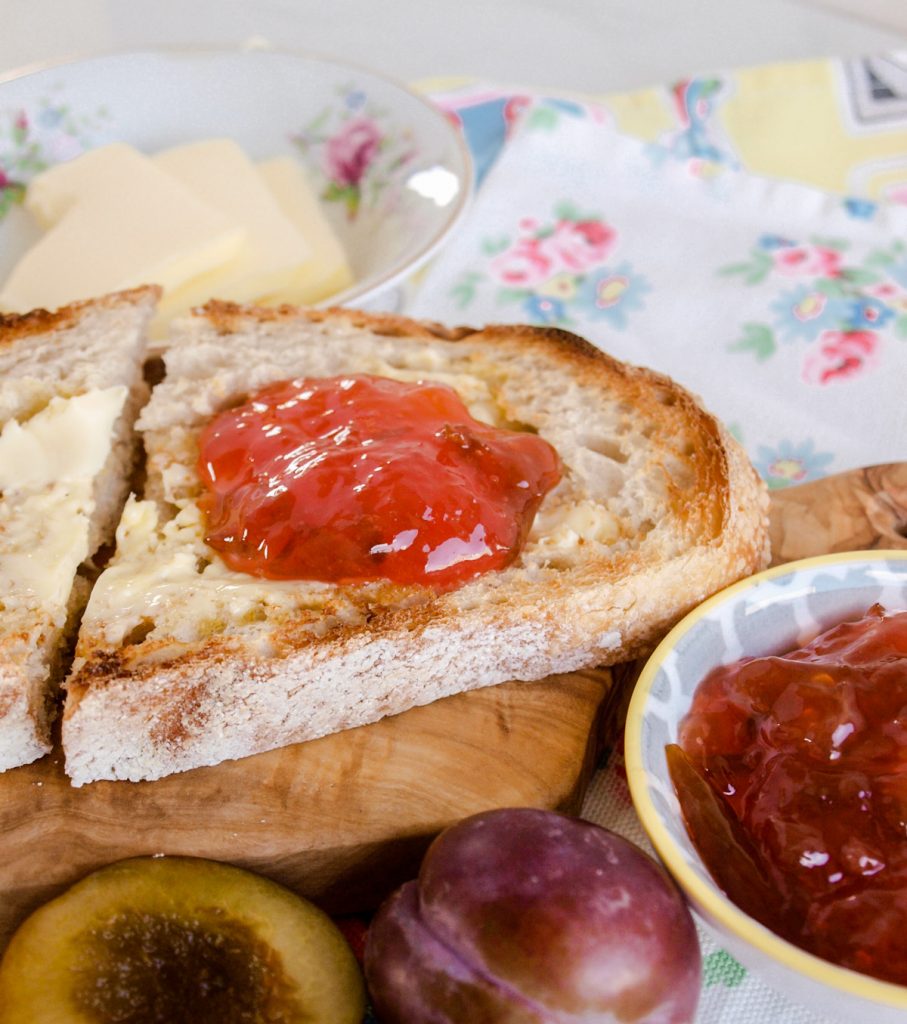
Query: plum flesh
{"x":178,"y":940}
{"x":529,"y":917}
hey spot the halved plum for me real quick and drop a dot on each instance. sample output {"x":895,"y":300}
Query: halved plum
{"x":178,"y":940}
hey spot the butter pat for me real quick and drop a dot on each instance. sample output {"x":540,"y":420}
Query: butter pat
{"x":116,"y":221}
{"x":67,"y":441}
{"x":274,"y":253}
{"x":155,"y":576}
{"x":47,"y":470}
{"x":327,"y":272}
{"x":201,"y":220}
{"x":45,"y":539}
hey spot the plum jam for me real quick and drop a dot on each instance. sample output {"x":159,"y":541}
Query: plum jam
{"x":807,"y":752}
{"x":362,"y":478}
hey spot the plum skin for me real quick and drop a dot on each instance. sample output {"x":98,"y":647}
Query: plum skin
{"x":522,"y":916}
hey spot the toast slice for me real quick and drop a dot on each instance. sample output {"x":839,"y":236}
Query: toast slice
{"x":182,"y":662}
{"x":70,"y":388}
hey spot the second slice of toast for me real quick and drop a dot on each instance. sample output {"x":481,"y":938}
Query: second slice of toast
{"x":182,"y":662}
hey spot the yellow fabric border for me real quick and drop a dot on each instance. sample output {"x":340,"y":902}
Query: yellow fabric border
{"x":789,"y":120}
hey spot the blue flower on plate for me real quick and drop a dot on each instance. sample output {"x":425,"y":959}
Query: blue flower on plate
{"x":355,"y":99}
{"x":868,"y":312}
{"x":50,"y":117}
{"x":611,"y":295}
{"x":544,"y":309}
{"x":791,"y":462}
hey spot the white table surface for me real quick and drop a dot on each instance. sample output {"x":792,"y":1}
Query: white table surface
{"x":580,"y":45}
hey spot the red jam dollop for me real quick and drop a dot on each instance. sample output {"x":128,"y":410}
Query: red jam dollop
{"x":362,"y":478}
{"x":808,"y":751}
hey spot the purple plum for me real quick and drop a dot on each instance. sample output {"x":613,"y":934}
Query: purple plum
{"x":522,"y":916}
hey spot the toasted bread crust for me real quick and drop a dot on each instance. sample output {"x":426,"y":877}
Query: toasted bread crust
{"x":14,"y":326}
{"x":176,"y":701}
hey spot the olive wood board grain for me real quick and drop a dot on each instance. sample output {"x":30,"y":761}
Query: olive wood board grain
{"x":346,"y":818}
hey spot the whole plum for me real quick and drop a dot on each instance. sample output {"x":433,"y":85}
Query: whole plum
{"x":522,"y":916}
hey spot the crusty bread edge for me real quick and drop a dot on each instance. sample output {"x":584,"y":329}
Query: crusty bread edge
{"x":15,"y":326}
{"x":226,"y":701}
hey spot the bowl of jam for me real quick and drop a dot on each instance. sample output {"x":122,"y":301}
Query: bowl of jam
{"x":766,"y":748}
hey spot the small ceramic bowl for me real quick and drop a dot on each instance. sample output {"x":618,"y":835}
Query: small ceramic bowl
{"x":769,"y":613}
{"x":393,"y":174}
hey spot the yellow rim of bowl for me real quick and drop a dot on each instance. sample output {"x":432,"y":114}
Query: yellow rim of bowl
{"x":712,"y":900}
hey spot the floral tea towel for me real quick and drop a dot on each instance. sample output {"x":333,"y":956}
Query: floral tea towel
{"x":783,"y":307}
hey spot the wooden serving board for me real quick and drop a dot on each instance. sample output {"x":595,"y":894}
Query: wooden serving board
{"x":346,"y":818}
{"x":343,"y":819}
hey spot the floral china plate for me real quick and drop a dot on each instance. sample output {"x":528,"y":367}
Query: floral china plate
{"x":392,"y":172}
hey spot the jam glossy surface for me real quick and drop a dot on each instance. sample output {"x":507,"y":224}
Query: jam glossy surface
{"x":808,"y":752}
{"x":361,"y":478}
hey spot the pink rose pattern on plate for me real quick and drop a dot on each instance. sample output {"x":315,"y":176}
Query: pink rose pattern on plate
{"x":33,"y":140}
{"x":349,"y":153}
{"x":351,"y":144}
{"x":357,"y":152}
{"x":842,"y":310}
